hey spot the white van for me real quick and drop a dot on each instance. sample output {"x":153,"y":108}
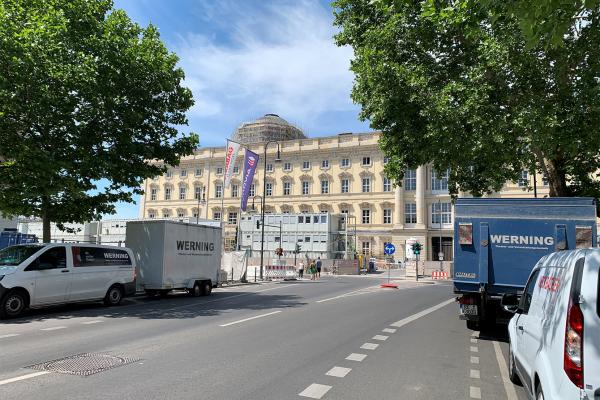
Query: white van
{"x":555,"y":333}
{"x":36,"y":275}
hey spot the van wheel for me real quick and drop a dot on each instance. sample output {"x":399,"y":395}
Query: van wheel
{"x":113,"y":296}
{"x":13,"y":304}
{"x":196,"y":291}
{"x":207,"y":289}
{"x":512,"y":372}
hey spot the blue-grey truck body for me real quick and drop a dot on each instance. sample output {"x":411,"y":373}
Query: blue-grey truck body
{"x":497,"y":242}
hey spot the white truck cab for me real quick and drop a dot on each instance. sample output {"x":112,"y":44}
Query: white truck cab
{"x":555,"y":332}
{"x":37,"y":275}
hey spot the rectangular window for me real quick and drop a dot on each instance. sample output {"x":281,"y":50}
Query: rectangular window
{"x":218,"y":191}
{"x":167,"y":193}
{"x":197,"y":193}
{"x":443,"y":210}
{"x":387,"y":185}
{"x":195,"y":214}
{"x":166,"y":214}
{"x":410,"y":213}
{"x":366,"y":161}
{"x":151,"y":215}
{"x":153,"y":193}
{"x":366,"y":185}
{"x":198,"y":171}
{"x":287,"y":166}
{"x":524,"y":180}
{"x":252,"y":191}
{"x":307,"y":239}
{"x":305,"y":188}
{"x":315,"y":219}
{"x":324,"y":187}
{"x":306,"y":165}
{"x":366,"y":216}
{"x":439,"y":181}
{"x":269,"y":167}
{"x":366,"y":248}
{"x":323,"y":219}
{"x":169,"y":173}
{"x":387,"y":216}
{"x":234,"y":190}
{"x":345,"y":185}
{"x":287,"y":188}
{"x":236,"y":169}
{"x":181,"y":193}
{"x":300,"y":219}
{"x":217,"y":216}
{"x":219,"y":170}
{"x":232,"y":218}
{"x":181,"y":214}
{"x":183,"y":173}
{"x":410,"y":179}
{"x":325,"y":164}
{"x":269,"y":188}
{"x":345,"y":162}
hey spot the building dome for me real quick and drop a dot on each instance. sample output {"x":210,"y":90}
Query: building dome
{"x":269,"y":127}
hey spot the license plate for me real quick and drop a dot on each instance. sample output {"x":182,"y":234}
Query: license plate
{"x":470,"y":309}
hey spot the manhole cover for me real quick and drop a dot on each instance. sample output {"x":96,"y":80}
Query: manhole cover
{"x":85,"y":364}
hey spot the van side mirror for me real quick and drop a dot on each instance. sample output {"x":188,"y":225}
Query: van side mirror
{"x":510,"y":302}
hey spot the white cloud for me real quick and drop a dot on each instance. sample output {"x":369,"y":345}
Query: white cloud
{"x":275,"y":58}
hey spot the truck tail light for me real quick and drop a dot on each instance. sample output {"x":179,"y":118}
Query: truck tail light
{"x":573,"y":355}
{"x":467,"y":300}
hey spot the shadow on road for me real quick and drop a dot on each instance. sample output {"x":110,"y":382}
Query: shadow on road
{"x":498,"y":333}
{"x":174,"y":306}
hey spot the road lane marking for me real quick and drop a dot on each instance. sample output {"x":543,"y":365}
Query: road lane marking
{"x":474,"y":340}
{"x":23,"y":377}
{"x":511,"y":394}
{"x":380,"y":337}
{"x":315,"y":391}
{"x":251,"y":318}
{"x":475,"y":392}
{"x":414,"y":317}
{"x":54,"y":328}
{"x":474,"y":349}
{"x":388,"y":330}
{"x":369,"y":346}
{"x":8,"y":335}
{"x":356,"y":357}
{"x":352,"y":293}
{"x":475,"y":334}
{"x":92,"y":322}
{"x":474,"y":360}
{"x":475,"y":374}
{"x":338,"y":372}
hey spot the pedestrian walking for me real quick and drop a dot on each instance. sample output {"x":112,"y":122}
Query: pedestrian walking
{"x":313,"y":270}
{"x":319,"y":264}
{"x":301,"y":269}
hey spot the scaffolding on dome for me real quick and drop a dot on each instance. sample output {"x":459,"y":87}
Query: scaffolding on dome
{"x":264,"y":129}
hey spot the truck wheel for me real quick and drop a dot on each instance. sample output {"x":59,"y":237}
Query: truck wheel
{"x":196,"y":291}
{"x":150,"y":292}
{"x":114,"y":295}
{"x":473,"y":325}
{"x":512,"y":372}
{"x":13,"y":304}
{"x":207,"y":289}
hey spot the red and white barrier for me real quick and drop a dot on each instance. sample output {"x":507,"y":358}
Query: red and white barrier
{"x":439,"y":275}
{"x":280,"y":272}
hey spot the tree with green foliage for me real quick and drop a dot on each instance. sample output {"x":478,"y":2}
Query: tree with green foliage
{"x":458,"y":87}
{"x":89,"y":101}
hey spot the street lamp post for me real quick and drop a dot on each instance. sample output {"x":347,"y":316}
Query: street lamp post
{"x":262,"y":211}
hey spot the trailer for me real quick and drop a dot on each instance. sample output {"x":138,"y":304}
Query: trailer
{"x":498,"y":242}
{"x":174,"y":255}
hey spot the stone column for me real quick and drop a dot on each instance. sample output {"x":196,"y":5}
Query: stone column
{"x":420,"y":197}
{"x":399,"y":207}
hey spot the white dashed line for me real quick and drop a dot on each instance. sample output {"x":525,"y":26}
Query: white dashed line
{"x":511,"y":394}
{"x":338,"y":372}
{"x":356,"y":357}
{"x":474,"y":360}
{"x":251,"y":318}
{"x":475,"y":334}
{"x":369,"y":346}
{"x":315,"y":391}
{"x":380,"y":337}
{"x":475,"y":392}
{"x":8,"y":335}
{"x":389,"y":330}
{"x":474,"y":349}
{"x":92,"y":322}
{"x":475,"y":374}
{"x":407,"y":320}
{"x":23,"y":377}
{"x":474,"y":340}
{"x":54,"y":328}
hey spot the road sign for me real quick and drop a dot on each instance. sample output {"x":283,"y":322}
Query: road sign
{"x":389,"y":249}
{"x":441,"y":256}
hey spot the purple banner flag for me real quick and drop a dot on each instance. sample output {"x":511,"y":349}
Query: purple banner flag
{"x":250,"y":164}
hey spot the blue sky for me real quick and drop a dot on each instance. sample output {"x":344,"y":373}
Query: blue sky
{"x":246,"y":58}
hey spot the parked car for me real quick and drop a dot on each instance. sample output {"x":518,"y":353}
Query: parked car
{"x":37,"y":275}
{"x":555,"y":332}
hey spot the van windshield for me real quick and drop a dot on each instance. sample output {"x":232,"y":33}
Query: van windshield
{"x":15,"y":255}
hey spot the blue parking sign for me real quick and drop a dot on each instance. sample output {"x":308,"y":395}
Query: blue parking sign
{"x":389,"y":249}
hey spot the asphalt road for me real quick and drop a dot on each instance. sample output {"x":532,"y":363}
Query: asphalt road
{"x":337,"y":338}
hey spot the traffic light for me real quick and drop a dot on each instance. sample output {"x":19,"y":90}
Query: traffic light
{"x":416,"y":248}
{"x":298,"y":249}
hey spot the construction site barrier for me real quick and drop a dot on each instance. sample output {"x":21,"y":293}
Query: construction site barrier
{"x":280,"y":272}
{"x":439,"y":275}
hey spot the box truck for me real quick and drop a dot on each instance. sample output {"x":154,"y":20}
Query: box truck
{"x":497,"y":242}
{"x":174,"y":255}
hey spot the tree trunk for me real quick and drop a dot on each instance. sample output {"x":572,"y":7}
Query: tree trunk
{"x":45,"y":224}
{"x":557,"y":178}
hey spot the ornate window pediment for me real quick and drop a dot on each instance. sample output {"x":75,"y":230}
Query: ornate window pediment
{"x":366,"y":174}
{"x":325,"y":177}
{"x":306,"y":177}
{"x":346,"y":175}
